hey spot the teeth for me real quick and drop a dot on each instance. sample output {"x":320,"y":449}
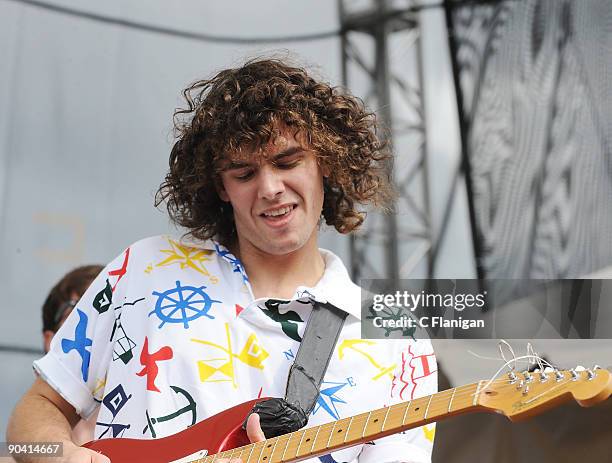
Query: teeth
{"x":283,"y":211}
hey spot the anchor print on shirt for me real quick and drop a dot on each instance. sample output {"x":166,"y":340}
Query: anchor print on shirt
{"x":190,"y":409}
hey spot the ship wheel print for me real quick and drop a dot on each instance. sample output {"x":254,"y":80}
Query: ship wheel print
{"x":182,"y":304}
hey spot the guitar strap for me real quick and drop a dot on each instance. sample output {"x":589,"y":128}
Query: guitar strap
{"x":280,"y":416}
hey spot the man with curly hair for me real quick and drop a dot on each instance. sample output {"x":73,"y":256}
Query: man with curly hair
{"x":174,"y":331}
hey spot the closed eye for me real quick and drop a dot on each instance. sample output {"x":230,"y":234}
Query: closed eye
{"x":244,"y":175}
{"x":288,"y":162}
{"x":287,"y":165}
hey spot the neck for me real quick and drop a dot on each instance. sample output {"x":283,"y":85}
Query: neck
{"x":279,"y":276}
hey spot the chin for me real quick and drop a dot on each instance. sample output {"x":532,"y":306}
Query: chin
{"x":281,"y":247}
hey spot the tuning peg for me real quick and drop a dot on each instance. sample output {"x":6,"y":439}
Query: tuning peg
{"x":559,"y":376}
{"x":543,"y":377}
{"x":574,"y":375}
{"x":512,"y":377}
{"x":590,"y":375}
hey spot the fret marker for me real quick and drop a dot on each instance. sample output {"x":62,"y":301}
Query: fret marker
{"x":273,"y":448}
{"x":406,"y":412}
{"x":331,"y":434}
{"x":298,"y":449}
{"x":261,"y":452}
{"x":366,"y":425}
{"x":427,"y":409}
{"x":385,"y":420}
{"x":451,"y":400}
{"x":315,"y":439}
{"x":347,"y":428}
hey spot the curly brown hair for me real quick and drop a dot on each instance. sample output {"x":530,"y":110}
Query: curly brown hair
{"x":244,"y":107}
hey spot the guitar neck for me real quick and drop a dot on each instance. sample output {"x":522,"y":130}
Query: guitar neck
{"x":517,"y":395}
{"x":320,"y":440}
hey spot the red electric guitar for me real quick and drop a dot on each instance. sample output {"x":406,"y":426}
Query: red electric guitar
{"x":517,"y":395}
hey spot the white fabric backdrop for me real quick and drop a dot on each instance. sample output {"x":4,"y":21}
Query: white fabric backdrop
{"x":85,"y":133}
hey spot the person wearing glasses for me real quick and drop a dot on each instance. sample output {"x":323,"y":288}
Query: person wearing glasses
{"x":58,"y":305}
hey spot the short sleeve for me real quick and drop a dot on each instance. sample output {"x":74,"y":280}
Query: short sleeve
{"x":415,"y":376}
{"x":82,"y":349}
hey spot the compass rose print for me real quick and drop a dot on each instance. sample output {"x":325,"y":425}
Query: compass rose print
{"x":328,"y":398}
{"x":182,"y":304}
{"x":187,"y":258}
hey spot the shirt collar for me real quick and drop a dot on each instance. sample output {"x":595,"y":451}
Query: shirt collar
{"x":334,"y":287}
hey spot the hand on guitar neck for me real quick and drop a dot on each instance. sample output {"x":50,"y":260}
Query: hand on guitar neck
{"x":255,"y":434}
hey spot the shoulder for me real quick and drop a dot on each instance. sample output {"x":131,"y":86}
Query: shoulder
{"x":171,"y":243}
{"x":142,"y":256}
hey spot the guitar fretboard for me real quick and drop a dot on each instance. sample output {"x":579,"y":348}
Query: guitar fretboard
{"x":325,"y":438}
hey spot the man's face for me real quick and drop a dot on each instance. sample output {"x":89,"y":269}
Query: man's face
{"x":276,"y":194}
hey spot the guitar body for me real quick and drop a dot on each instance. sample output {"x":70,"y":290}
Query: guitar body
{"x":518,"y":395}
{"x":222,"y":431}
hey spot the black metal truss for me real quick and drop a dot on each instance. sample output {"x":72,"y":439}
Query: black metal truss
{"x":382,"y":62}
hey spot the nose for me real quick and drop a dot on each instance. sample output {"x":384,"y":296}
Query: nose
{"x":270,"y":183}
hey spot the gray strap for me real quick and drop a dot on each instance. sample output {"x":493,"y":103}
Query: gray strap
{"x":313,"y":356}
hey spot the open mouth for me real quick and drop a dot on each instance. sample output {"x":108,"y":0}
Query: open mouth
{"x":278,"y":214}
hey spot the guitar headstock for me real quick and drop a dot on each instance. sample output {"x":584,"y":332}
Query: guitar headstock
{"x":520,"y":395}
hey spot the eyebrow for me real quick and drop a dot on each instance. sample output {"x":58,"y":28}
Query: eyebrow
{"x":277,"y":157}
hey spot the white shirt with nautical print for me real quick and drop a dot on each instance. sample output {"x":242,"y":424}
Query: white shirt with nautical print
{"x":170,"y":334}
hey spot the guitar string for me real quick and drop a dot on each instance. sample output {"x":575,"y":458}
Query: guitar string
{"x":461,"y":392}
{"x":358,"y":419}
{"x":530,"y":357}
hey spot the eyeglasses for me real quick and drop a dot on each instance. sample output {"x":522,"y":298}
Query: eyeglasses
{"x":65,"y":307}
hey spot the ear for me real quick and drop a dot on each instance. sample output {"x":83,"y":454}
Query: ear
{"x":223,"y":194}
{"x":221,"y":190}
